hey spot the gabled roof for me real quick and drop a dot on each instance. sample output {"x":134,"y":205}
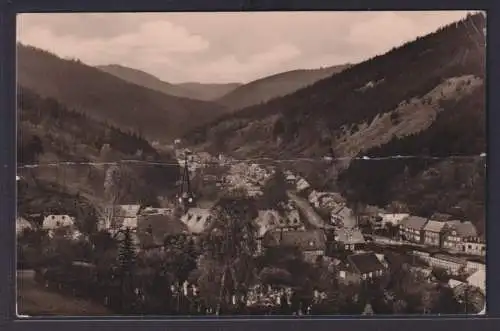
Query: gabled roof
{"x":266,"y":220}
{"x":365,"y":262}
{"x":394,"y":219}
{"x":463,"y":229}
{"x":197,"y":219}
{"x":152,"y":229}
{"x":54,"y":221}
{"x":305,"y":240}
{"x":478,"y":279}
{"x":22,"y":223}
{"x":414,"y":222}
{"x":349,"y":236}
{"x":434,"y":226}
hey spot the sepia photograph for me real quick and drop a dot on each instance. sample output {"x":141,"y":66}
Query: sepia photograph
{"x":251,"y":163}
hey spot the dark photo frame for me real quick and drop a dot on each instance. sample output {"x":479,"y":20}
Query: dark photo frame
{"x":9,"y":171}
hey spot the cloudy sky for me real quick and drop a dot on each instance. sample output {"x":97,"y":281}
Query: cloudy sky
{"x":226,"y":47}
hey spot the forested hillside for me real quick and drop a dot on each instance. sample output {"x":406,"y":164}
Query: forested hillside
{"x":425,"y":98}
{"x":67,"y":153}
{"x":108,"y":98}
{"x":267,"y":88}
{"x":196,"y":91}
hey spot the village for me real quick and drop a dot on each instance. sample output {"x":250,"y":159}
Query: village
{"x":355,"y":247}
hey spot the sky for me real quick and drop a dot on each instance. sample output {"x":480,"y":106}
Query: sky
{"x":226,"y":47}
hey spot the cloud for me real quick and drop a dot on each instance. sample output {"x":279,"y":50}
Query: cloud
{"x":154,"y":42}
{"x":232,"y":68}
{"x":220,"y":47}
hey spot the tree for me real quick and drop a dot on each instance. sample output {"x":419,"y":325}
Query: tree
{"x":232,"y":244}
{"x":126,"y":260}
{"x":274,"y":191}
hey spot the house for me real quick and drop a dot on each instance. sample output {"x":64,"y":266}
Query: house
{"x":412,"y":229}
{"x":121,"y":216}
{"x":52,"y":222}
{"x":453,"y":265}
{"x":302,"y":185}
{"x":474,"y":246}
{"x":349,"y":239}
{"x":267,"y":220}
{"x":291,"y":178}
{"x":473,"y":266}
{"x":434,"y":233}
{"x":440,"y":217}
{"x":197,"y":220}
{"x":478,"y":279}
{"x":342,"y":216}
{"x":152,"y":229}
{"x":22,"y":224}
{"x":159,"y":211}
{"x":456,"y":235}
{"x":361,"y":267}
{"x":312,"y":243}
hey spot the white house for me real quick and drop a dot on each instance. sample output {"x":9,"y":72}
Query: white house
{"x":21,"y":224}
{"x":197,"y":219}
{"x":52,"y":222}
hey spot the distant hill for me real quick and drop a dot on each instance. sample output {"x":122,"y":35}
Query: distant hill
{"x":209,"y":92}
{"x":108,"y":98}
{"x":274,"y":86}
{"x":419,"y":99}
{"x":197,"y":91}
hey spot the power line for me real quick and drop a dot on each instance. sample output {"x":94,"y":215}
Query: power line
{"x":259,"y":160}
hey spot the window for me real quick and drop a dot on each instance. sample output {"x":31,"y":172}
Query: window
{"x":363,"y":276}
{"x":58,"y":223}
{"x":53,"y":217}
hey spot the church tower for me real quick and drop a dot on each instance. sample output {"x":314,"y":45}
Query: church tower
{"x":186,"y":197}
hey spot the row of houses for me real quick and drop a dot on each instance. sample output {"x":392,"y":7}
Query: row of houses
{"x":452,"y":235}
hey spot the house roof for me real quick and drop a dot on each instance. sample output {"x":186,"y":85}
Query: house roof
{"x":394,"y":219}
{"x":22,"y":223}
{"x":266,"y":220}
{"x":464,"y":229}
{"x":127,"y":210}
{"x":197,"y":219}
{"x":160,"y":226}
{"x":449,"y":258}
{"x":349,"y":236}
{"x":54,"y":221}
{"x":434,"y":226}
{"x":440,"y":217}
{"x":414,"y":222}
{"x":478,"y":279}
{"x":452,"y":283}
{"x":365,"y":262}
{"x":306,"y":240}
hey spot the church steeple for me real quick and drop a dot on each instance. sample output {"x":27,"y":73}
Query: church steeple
{"x":186,"y":197}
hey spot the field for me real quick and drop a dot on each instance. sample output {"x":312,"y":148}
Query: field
{"x":34,"y":300}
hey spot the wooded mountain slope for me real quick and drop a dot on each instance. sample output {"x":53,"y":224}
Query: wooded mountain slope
{"x":430,"y":90}
{"x":196,"y":91}
{"x":108,"y":98}
{"x":63,"y":157}
{"x":267,"y":88}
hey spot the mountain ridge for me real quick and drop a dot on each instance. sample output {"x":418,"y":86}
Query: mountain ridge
{"x":195,"y":91}
{"x":110,"y":99}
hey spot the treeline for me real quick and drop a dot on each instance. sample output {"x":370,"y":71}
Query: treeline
{"x":316,"y":113}
{"x":55,"y":118}
{"x":49,"y":133}
{"x":445,"y":169}
{"x":108,"y":98}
